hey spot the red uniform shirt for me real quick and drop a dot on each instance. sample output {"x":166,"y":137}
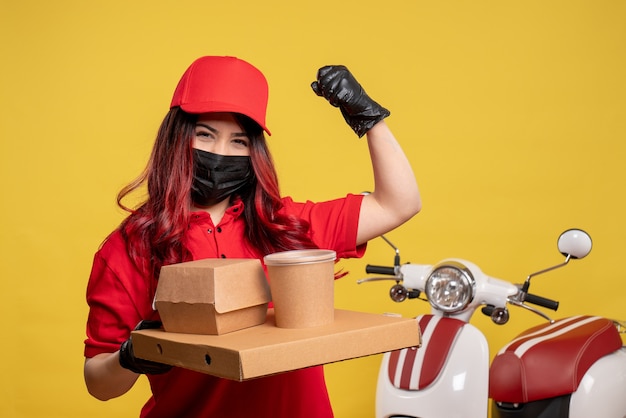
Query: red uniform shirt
{"x":119,"y":298}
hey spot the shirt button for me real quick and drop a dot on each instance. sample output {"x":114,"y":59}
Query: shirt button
{"x":223,"y":256}
{"x":218,"y":229}
{"x":210,"y":231}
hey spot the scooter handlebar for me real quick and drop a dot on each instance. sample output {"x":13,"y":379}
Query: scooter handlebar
{"x":541,"y":301}
{"x":371,"y":269}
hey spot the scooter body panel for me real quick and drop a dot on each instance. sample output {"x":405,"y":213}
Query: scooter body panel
{"x":460,"y":391}
{"x":601,"y":392}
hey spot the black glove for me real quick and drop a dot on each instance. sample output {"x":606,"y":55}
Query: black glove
{"x":337,"y":85}
{"x":137,"y":365}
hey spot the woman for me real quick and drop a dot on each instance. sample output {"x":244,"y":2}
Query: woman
{"x":213,"y":192}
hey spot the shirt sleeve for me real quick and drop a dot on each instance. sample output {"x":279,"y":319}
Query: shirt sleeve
{"x":118,"y":298}
{"x":334,"y":223}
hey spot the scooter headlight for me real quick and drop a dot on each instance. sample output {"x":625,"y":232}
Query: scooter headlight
{"x":450,"y":287}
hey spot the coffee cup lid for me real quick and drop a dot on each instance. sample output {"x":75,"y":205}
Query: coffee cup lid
{"x":299,"y":257}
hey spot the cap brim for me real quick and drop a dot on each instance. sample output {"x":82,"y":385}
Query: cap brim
{"x":212,"y":107}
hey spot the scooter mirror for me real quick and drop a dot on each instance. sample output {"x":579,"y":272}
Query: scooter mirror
{"x":575,"y":243}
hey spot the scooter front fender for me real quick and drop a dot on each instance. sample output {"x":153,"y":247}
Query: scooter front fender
{"x":460,"y":390}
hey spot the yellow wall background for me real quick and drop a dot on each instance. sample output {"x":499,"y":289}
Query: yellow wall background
{"x":513,"y":114}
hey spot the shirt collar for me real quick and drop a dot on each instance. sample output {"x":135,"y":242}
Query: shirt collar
{"x":233,"y":212}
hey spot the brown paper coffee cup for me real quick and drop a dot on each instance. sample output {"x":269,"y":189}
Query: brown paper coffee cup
{"x":302,"y":283}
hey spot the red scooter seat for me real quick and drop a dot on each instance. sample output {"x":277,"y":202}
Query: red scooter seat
{"x":551,"y":359}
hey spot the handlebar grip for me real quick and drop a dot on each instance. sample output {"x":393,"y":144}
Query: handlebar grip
{"x":389,"y":271}
{"x":541,"y":301}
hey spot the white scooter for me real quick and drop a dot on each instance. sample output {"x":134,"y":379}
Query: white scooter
{"x":573,"y":367}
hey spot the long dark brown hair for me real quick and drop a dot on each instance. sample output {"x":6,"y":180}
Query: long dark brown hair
{"x":154,"y":231}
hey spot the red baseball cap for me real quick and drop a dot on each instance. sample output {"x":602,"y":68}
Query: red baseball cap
{"x":223,"y":84}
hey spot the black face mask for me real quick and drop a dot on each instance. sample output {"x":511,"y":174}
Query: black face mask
{"x":216,"y":177}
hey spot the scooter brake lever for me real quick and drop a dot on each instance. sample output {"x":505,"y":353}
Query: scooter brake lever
{"x":530,"y":308}
{"x":377,"y":279}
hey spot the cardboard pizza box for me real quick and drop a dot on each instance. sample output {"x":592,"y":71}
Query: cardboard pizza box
{"x":267,"y":349}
